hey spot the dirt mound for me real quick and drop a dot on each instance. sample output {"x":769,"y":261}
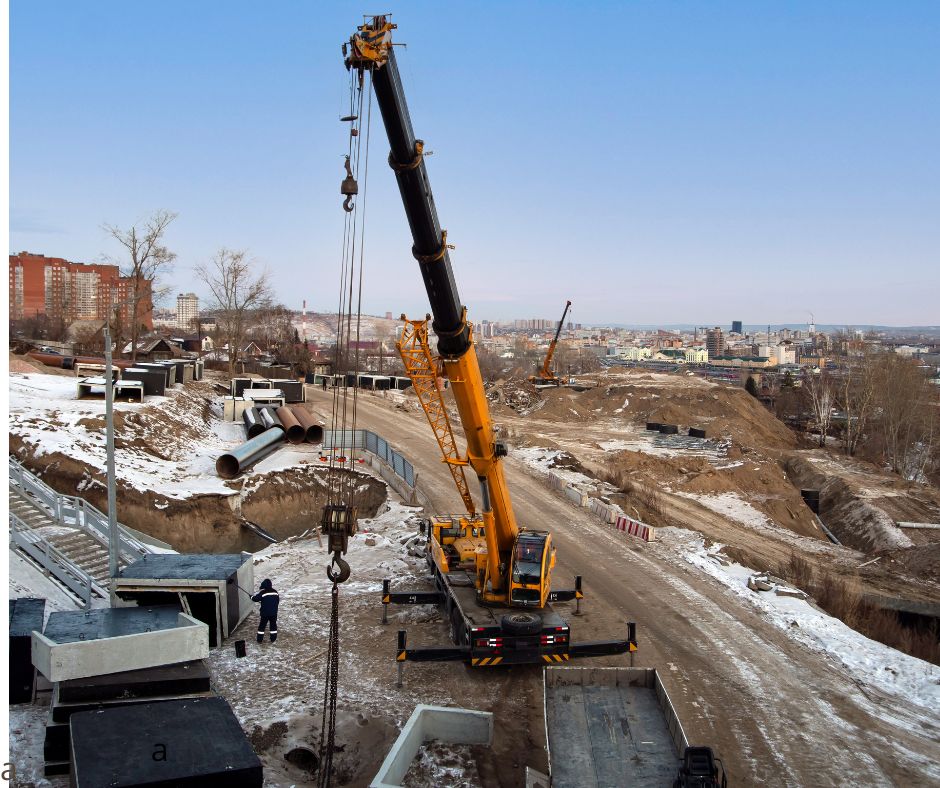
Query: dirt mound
{"x":630,"y":397}
{"x":756,"y":480}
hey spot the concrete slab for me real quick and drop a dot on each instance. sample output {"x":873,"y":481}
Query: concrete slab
{"x":432,"y":723}
{"x":175,"y":743}
{"x":79,"y":644}
{"x":202,"y":566}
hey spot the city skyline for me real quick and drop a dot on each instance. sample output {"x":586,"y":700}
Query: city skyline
{"x":721,"y":161}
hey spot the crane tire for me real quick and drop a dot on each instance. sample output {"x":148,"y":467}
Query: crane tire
{"x":521,"y":623}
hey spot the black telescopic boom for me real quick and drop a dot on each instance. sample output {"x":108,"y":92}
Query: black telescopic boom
{"x":429,"y":247}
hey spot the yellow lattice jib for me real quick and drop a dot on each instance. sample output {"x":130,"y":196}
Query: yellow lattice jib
{"x":424,"y":372}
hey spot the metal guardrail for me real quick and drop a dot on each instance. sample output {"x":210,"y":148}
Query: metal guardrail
{"x":348,"y":440}
{"x":74,"y":512}
{"x":54,"y":563}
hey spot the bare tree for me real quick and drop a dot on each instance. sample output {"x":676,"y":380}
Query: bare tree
{"x":149,"y":259}
{"x":237,"y":291}
{"x":907,"y":416}
{"x":821,"y":394}
{"x":857,"y":397}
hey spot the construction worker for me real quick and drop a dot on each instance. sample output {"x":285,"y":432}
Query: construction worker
{"x":269,"y":598}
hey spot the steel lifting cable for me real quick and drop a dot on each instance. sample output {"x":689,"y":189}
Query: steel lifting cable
{"x":365,"y":187}
{"x":347,"y":279}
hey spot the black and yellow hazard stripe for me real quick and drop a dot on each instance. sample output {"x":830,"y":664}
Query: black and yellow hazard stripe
{"x":555,"y":657}
{"x":633,"y":647}
{"x":387,"y":599}
{"x":480,"y":662}
{"x":402,"y":656}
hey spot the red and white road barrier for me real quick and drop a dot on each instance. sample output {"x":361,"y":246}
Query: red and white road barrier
{"x":635,"y":528}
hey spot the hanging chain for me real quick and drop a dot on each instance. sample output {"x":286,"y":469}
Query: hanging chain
{"x":328,"y":720}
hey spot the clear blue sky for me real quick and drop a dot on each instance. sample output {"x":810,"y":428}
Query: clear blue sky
{"x":654,"y":162}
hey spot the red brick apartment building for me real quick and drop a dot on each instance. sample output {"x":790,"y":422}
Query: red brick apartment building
{"x":54,"y":287}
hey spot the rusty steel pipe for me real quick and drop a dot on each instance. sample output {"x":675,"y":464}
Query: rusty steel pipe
{"x":292,"y":427}
{"x":309,"y":422}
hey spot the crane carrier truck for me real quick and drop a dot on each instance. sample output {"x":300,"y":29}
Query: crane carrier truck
{"x":491,"y":576}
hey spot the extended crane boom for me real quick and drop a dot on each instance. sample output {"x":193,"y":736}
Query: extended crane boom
{"x":371,"y":49}
{"x":485,"y":564}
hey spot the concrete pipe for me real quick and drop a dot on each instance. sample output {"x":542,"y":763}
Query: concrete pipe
{"x":253,"y":424}
{"x":309,"y":422}
{"x":292,"y":427}
{"x":269,"y":419}
{"x":229,"y":465}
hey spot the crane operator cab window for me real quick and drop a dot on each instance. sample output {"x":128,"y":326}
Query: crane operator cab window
{"x":527,"y":561}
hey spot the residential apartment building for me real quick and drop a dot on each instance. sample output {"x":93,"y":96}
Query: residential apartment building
{"x":67,"y":291}
{"x":187,"y":310}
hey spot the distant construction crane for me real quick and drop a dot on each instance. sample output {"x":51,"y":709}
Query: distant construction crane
{"x":545,"y":376}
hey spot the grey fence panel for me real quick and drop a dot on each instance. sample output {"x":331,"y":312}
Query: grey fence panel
{"x":382,"y":449}
{"x":371,"y":441}
{"x":398,"y":464}
{"x":409,"y":474}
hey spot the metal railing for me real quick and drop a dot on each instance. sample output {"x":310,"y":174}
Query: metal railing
{"x":74,"y":512}
{"x":347,"y":440}
{"x":53,"y":562}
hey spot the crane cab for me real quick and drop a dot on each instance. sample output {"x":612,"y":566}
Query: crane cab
{"x":533,"y":558}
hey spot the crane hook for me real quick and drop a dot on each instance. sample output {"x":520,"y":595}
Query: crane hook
{"x":344,"y":571}
{"x":349,"y":187}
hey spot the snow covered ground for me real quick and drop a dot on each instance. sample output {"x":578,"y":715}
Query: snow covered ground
{"x":179,"y":463}
{"x":869,"y":662}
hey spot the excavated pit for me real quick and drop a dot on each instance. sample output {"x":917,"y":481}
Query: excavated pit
{"x":284,"y":503}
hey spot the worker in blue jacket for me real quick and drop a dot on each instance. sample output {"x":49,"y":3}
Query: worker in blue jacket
{"x":269,"y":598}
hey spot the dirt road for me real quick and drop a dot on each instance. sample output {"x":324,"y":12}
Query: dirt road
{"x":778,"y":713}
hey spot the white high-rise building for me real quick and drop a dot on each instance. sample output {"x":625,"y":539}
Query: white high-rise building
{"x":187,"y":310}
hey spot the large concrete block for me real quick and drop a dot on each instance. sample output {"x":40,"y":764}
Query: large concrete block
{"x":176,"y":743}
{"x":87,"y":643}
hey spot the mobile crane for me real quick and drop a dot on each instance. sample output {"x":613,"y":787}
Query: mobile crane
{"x":545,"y":374}
{"x":491,"y":576}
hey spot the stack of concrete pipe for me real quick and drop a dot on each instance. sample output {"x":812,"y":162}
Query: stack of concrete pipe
{"x":266,"y":429}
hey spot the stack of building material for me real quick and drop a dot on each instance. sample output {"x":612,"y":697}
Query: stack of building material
{"x":112,"y":658}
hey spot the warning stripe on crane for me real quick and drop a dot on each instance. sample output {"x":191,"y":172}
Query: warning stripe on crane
{"x":482,"y":661}
{"x":555,"y":657}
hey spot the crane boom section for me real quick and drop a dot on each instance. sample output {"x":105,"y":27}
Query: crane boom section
{"x":371,"y":50}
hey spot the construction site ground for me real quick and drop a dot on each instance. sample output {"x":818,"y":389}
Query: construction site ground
{"x":753,"y":678}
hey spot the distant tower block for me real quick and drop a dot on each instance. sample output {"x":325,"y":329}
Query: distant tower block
{"x":187,"y":310}
{"x":736,"y":327}
{"x":714,"y":342}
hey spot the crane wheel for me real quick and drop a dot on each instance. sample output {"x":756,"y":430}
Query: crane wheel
{"x":521,"y":623}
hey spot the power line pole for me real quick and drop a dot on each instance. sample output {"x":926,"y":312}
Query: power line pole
{"x":113,"y":536}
